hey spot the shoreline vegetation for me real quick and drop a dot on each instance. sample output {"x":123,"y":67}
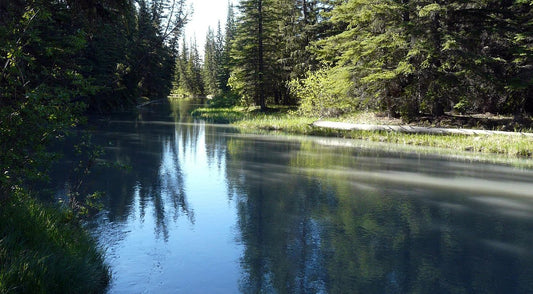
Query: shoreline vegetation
{"x":60,"y":62}
{"x":44,"y":249}
{"x":285,"y":120}
{"x":438,"y":65}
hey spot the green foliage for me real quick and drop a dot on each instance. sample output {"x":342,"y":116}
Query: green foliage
{"x":324,"y":92}
{"x":405,"y":57}
{"x":219,"y":115}
{"x":224,"y":100}
{"x":44,"y":250}
{"x":301,"y":25}
{"x":212,"y":63}
{"x":413,"y":57}
{"x":188,"y":80}
{"x":462,"y":106}
{"x":87,"y":154}
{"x":130,"y":49}
{"x":254,"y":72}
{"x":270,"y":48}
{"x":59,"y":59}
{"x":229,"y":36}
{"x":154,"y":47}
{"x":39,"y":84}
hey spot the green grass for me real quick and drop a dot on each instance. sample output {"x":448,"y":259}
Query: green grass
{"x":495,"y":144}
{"x":282,"y":120}
{"x":221,"y":115}
{"x":43,"y":250}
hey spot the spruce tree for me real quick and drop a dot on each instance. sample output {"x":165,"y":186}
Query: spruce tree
{"x":211,"y":64}
{"x":253,"y":51}
{"x":411,"y":57}
{"x":229,"y":36}
{"x":194,"y":68}
{"x":219,"y":46}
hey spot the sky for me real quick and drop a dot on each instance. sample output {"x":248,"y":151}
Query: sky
{"x":206,"y":13}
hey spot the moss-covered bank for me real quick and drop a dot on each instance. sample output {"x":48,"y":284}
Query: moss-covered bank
{"x":44,"y":250}
{"x":289,"y":122}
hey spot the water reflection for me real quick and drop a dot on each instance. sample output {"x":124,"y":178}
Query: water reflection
{"x":203,"y":209}
{"x":154,"y":172}
{"x":334,"y":220}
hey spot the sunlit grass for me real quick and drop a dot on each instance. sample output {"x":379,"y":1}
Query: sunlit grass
{"x":290,"y":122}
{"x":497,"y":144}
{"x":280,"y":119}
{"x":221,"y":115}
{"x":42,"y":250}
{"x":277,"y":122}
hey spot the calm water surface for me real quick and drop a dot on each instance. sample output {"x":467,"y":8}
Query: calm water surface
{"x":204,"y":209}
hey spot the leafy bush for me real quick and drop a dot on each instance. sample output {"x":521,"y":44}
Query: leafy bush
{"x":228,"y":99}
{"x":324,"y":92}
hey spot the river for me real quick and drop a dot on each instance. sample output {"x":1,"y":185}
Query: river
{"x":202,"y":208}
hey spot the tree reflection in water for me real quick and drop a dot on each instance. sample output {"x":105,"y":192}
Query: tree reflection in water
{"x":153,"y":179}
{"x":308,"y":217}
{"x":344,"y":221}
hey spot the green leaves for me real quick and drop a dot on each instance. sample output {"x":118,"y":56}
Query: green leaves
{"x":324,"y":92}
{"x":37,"y":87}
{"x":430,"y":9}
{"x":424,"y":55}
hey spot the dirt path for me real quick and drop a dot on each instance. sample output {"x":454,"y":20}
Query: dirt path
{"x":412,"y":129}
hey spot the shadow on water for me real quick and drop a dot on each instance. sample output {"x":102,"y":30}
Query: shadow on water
{"x":337,"y":220}
{"x":203,"y":209}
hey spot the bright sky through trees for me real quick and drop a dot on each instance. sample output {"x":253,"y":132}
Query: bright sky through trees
{"x":206,"y":13}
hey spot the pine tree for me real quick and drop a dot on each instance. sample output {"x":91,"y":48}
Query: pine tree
{"x":252,"y":52}
{"x":371,"y":47}
{"x":189,"y":77}
{"x":297,"y":26}
{"x":211,"y":64}
{"x":411,"y":57}
{"x":219,"y":46}
{"x":521,"y":84}
{"x":229,"y":36}
{"x":299,"y":21}
{"x":194,"y":68}
{"x":182,"y":75}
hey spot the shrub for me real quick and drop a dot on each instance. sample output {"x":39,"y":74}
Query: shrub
{"x":324,"y":92}
{"x":225,"y":100}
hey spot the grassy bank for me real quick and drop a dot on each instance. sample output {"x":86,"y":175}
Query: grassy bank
{"x":285,"y":121}
{"x":42,"y":250}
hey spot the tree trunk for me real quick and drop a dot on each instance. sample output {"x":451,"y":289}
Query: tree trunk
{"x":261,"y":66}
{"x":436,"y":60}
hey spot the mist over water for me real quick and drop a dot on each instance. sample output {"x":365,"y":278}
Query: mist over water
{"x":203,"y":209}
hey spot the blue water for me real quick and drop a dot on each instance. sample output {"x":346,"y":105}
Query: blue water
{"x":202,"y":208}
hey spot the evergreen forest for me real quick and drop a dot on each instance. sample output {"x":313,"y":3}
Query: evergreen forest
{"x":405,"y":58}
{"x":61,"y":59}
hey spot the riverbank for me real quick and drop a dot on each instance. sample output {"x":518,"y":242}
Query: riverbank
{"x":43,"y":250}
{"x":284,"y":120}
